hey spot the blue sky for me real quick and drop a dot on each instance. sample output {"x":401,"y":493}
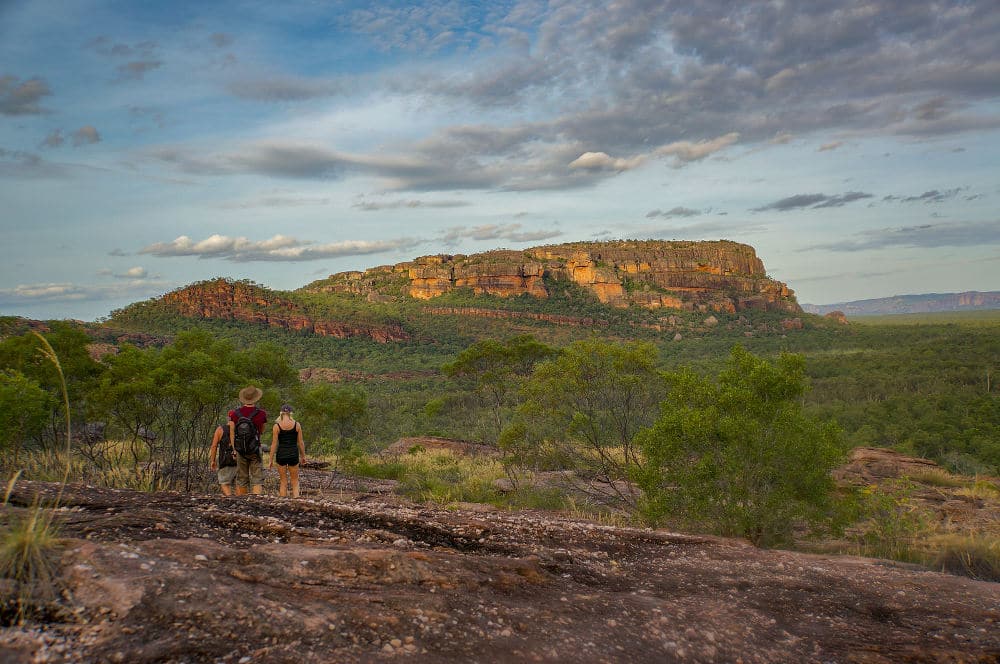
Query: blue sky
{"x":144,"y":146}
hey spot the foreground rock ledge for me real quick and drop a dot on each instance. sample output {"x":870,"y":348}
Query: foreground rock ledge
{"x":356,"y":577}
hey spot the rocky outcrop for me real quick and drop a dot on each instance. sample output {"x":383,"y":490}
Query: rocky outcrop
{"x":579,"y":321}
{"x":837,"y":317}
{"x":719,"y":276}
{"x":339,"y":576}
{"x":238,"y":300}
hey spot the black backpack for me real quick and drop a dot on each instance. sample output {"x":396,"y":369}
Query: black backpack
{"x":246,"y":438}
{"x":227,"y":457}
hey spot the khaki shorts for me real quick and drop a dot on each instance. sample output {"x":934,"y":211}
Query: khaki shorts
{"x":227,"y":475}
{"x":248,"y":472}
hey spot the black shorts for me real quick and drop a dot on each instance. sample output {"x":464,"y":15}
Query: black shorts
{"x":287,"y":459}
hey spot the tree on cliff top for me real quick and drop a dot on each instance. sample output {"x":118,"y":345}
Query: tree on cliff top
{"x":737,"y":452}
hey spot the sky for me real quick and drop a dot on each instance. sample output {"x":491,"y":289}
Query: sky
{"x":148,"y":145}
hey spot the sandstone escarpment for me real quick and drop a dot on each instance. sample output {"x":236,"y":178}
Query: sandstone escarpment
{"x":242,"y":301}
{"x":718,"y":276}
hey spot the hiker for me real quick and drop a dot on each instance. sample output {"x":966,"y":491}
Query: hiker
{"x":246,"y":424}
{"x":287,"y":450}
{"x":223,"y":459}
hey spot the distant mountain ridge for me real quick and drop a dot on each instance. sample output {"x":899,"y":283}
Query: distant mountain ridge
{"x":912,"y":304}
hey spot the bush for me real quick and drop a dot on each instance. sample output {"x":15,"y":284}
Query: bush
{"x":738,"y":454}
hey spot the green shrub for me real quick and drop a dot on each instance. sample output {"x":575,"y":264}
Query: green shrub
{"x":891,"y":527}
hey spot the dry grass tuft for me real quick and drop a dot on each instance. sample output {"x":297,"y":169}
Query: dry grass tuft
{"x":969,"y":555}
{"x":28,"y":546}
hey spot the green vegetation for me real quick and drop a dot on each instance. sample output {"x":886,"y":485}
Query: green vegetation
{"x":335,"y":416}
{"x":498,"y":368}
{"x":582,"y":409}
{"x":737,"y":454}
{"x":690,"y":433}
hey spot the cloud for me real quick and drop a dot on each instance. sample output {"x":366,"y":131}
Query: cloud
{"x":813,"y":201}
{"x":370,"y":206}
{"x":137,"y":69}
{"x":19,"y":97}
{"x":277,"y":202}
{"x":140,"y":114}
{"x":26,"y":294}
{"x":963,"y":234}
{"x":673,"y":212}
{"x":220,"y":39}
{"x":827,"y":147}
{"x":21,"y":164}
{"x":133,"y":273}
{"x":86,"y":135}
{"x":283,"y":88}
{"x":53,"y":140}
{"x":692,"y":78}
{"x":931,"y":196}
{"x":277,"y":248}
{"x":684,"y":152}
{"x":510,"y":232}
{"x":601,"y":161}
{"x":109,"y":48}
{"x":700,"y":231}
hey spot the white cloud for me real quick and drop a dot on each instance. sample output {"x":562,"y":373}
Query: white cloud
{"x":26,"y":294}
{"x":602,"y":161}
{"x":510,"y":232}
{"x":277,"y":248}
{"x":684,"y":152}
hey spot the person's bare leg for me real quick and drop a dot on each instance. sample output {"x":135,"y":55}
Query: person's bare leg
{"x":293,"y":471}
{"x":241,"y":491}
{"x":257,"y":489}
{"x":283,"y":481}
{"x":226,"y":490}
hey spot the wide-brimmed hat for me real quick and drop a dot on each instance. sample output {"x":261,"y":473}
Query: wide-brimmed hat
{"x":250,"y":394}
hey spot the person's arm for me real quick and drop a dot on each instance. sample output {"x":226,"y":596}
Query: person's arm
{"x":213,"y":457}
{"x":302,"y":445}
{"x":274,"y":444}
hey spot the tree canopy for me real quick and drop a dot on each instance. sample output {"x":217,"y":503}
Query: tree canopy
{"x":738,"y":453}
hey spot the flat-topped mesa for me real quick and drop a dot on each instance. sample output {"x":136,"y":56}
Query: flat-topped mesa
{"x":236,"y":300}
{"x":717,"y":275}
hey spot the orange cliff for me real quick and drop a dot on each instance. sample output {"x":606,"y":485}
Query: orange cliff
{"x":243,"y":301}
{"x":719,"y":275}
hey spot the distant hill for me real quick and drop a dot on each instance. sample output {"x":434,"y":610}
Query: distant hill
{"x":912,"y":304}
{"x":415,"y":315}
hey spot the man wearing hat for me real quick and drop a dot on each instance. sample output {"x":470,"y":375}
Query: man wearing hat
{"x":249,"y":473}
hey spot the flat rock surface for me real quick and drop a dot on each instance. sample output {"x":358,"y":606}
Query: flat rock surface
{"x":358,"y":577}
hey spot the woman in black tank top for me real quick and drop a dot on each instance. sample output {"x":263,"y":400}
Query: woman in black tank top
{"x":287,"y":451}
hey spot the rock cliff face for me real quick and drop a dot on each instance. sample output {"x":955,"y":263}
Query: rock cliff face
{"x":242,"y":301}
{"x":718,"y":276}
